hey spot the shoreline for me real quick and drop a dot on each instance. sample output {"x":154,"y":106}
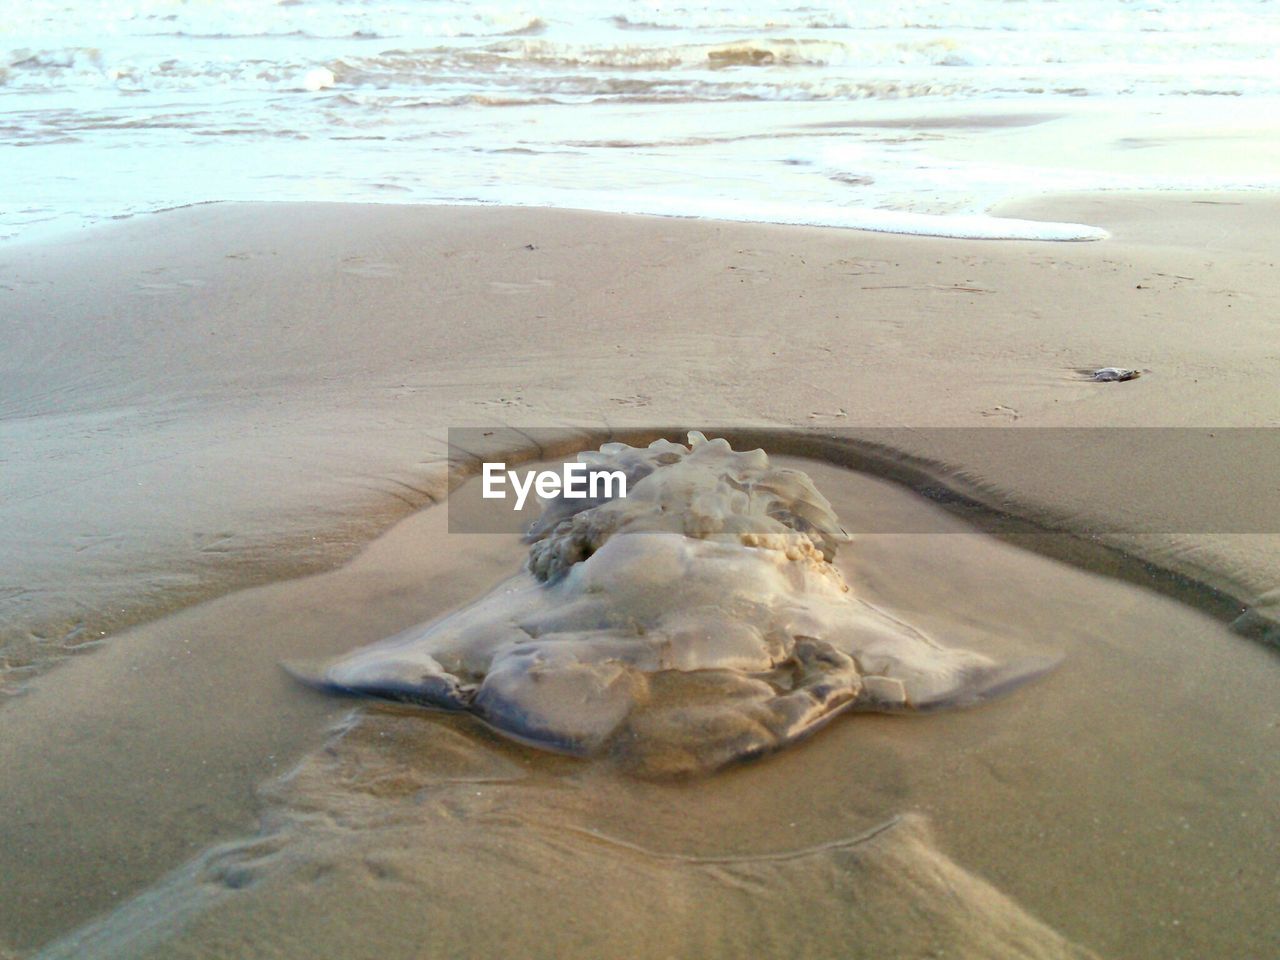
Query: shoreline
{"x":952,"y":226}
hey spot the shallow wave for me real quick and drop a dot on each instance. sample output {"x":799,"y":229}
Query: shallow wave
{"x":332,"y":70}
{"x":1083,"y":16}
{"x":53,"y":60}
{"x":743,"y":52}
{"x":530,"y":52}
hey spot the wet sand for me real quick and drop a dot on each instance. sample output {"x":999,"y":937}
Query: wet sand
{"x":225,"y":396}
{"x":1121,"y":805}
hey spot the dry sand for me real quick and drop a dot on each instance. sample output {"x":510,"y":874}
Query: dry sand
{"x":226,"y":395}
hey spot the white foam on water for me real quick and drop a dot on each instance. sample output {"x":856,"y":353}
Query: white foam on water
{"x":971,"y":226}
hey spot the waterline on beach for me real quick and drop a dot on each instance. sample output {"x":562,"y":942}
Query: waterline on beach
{"x":864,"y":118}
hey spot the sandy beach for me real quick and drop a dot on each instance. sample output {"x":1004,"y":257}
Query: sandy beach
{"x":226,"y":446}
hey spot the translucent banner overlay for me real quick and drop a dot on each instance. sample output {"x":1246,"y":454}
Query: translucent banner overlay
{"x":1083,"y":481}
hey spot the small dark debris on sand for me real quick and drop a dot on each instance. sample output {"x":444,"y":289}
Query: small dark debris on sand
{"x":1110,"y":374}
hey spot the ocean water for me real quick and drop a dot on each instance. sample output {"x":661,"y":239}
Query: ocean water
{"x":912,"y":117}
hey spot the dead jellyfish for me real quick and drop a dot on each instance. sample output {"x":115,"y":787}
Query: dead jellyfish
{"x":697,"y":621}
